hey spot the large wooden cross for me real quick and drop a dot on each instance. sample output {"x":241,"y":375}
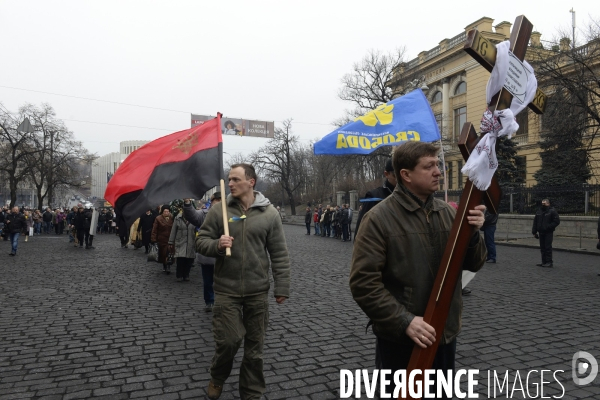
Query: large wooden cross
{"x":450,"y":269}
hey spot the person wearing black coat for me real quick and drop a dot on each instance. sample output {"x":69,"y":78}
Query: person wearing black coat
{"x":378,"y":194}
{"x":47,"y":219}
{"x":145,"y":228}
{"x":544,"y":223}
{"x":87,"y":223}
{"x":307,"y":218}
{"x":15,"y":222}
{"x":79,"y":223}
{"x":344,"y":220}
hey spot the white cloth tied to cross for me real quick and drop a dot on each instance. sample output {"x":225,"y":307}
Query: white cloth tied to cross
{"x":482,"y":162}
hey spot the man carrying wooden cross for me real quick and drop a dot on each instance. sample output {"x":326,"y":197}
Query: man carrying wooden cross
{"x":396,"y":257}
{"x":403,"y":275}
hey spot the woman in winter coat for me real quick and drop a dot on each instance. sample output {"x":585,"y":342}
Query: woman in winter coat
{"x":182,"y":244}
{"x":161,"y":231}
{"x":37,"y":222}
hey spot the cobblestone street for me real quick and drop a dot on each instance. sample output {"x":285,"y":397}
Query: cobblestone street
{"x":105,"y":324}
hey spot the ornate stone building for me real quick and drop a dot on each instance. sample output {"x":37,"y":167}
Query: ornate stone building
{"x":456,"y":90}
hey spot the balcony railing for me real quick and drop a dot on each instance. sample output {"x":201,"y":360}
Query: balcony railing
{"x":456,"y":40}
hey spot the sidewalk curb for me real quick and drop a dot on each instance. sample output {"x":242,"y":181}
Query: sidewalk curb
{"x":591,"y":253}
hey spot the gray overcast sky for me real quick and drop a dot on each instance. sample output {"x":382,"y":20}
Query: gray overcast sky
{"x":264,"y":60}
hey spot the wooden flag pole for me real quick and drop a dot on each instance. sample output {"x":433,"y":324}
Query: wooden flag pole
{"x":225,"y":218}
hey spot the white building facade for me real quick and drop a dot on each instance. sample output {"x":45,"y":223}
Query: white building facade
{"x":105,"y":167}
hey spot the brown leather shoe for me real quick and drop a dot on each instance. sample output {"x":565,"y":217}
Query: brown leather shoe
{"x":214,"y":391}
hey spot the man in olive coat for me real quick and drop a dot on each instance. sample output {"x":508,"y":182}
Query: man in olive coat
{"x":396,"y":257}
{"x":241,"y":282}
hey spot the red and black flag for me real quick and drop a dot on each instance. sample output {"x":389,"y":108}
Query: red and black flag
{"x":183,"y":164}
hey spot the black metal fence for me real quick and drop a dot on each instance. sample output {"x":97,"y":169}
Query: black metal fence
{"x":567,"y":200}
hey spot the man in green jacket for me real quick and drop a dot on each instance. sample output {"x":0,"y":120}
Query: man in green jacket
{"x":396,"y":257}
{"x":241,"y":282}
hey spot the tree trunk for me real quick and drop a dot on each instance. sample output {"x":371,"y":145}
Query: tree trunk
{"x":40,"y":198}
{"x":292,"y":202}
{"x":13,"y":191}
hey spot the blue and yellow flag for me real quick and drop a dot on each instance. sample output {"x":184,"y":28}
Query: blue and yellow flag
{"x":405,"y":118}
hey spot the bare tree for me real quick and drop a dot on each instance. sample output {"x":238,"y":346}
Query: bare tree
{"x":58,"y":155}
{"x":368,"y":85}
{"x":570,"y":126}
{"x":15,"y":146}
{"x":281,"y":161}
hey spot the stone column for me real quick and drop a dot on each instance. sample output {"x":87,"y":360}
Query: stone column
{"x":339,"y":198}
{"x":446,"y":118}
{"x":354,"y":199}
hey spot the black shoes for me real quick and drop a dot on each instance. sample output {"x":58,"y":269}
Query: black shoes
{"x":11,"y":254}
{"x":539,"y":265}
{"x":547,"y":265}
{"x":466,"y":292}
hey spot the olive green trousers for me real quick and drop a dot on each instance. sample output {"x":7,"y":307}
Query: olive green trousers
{"x":234,"y":319}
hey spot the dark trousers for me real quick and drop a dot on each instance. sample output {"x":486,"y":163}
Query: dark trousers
{"x":394,"y":356}
{"x":88,"y":238}
{"x":124,"y":237}
{"x":80,"y":235}
{"x":345,"y":232}
{"x":183,"y":267}
{"x":308,"y":228}
{"x":208,"y":273}
{"x":546,"y":247}
{"x":490,"y":245}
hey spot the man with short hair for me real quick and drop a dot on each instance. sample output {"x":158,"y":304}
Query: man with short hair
{"x":373,"y":197}
{"x":241,"y":282}
{"x":344,"y":222}
{"x":396,"y":257}
{"x":47,"y":219}
{"x":544,"y":223}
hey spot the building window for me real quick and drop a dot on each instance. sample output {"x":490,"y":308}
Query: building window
{"x":460,"y":117}
{"x":461,"y":88}
{"x":460,"y":175}
{"x":523,"y":121}
{"x":449,"y":174}
{"x":437,"y":97}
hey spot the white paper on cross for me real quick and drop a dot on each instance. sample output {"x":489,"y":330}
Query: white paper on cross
{"x":522,"y":84}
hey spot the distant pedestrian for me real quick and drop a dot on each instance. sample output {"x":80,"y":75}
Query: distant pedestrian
{"x":316,"y":222}
{"x":207,"y":264}
{"x":489,"y":231}
{"x":307,"y":218}
{"x":373,"y":197}
{"x":79,"y":223}
{"x":145,"y":228}
{"x":47,"y":218}
{"x":15,"y":222}
{"x":544,"y":223}
{"x":161,"y":231}
{"x":182,"y":244}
